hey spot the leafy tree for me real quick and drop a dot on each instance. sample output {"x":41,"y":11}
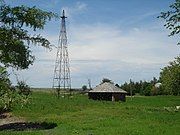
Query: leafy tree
{"x":84,"y":87}
{"x":129,"y":87}
{"x":125,"y":86}
{"x":15,"y":40}
{"x":170,"y":77}
{"x":8,"y":94}
{"x":23,"y":88}
{"x":172,"y":18}
{"x":160,"y":91}
{"x":106,"y":80}
{"x":147,"y":90}
{"x":117,"y":85}
{"x":142,"y":87}
{"x":153,"y":81}
{"x":4,"y":80}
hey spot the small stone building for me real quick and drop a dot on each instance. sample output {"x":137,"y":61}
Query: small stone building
{"x":107,"y":91}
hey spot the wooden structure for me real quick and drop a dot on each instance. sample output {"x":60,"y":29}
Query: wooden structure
{"x":107,"y":91}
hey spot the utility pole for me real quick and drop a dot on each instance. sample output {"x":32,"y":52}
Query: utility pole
{"x":131,"y":88}
{"x":62,"y":79}
{"x":89,"y":83}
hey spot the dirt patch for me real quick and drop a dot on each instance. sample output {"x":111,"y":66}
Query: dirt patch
{"x":10,"y":122}
{"x":7,"y":117}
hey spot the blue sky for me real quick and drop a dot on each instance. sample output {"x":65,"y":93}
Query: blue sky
{"x":115,"y":39}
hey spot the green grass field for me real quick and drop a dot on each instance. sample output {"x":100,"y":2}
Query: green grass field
{"x":81,"y":116}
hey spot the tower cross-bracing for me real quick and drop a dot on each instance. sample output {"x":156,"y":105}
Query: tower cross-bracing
{"x":62,"y":79}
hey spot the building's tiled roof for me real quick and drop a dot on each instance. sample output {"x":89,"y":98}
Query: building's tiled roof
{"x":108,"y":87}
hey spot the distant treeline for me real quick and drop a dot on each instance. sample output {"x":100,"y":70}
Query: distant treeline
{"x":168,"y":83}
{"x":146,"y":88}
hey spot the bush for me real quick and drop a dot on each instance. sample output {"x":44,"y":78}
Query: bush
{"x":84,"y":87}
{"x":23,"y":88}
{"x":6,"y":93}
{"x":9,"y":96}
{"x":106,"y":80}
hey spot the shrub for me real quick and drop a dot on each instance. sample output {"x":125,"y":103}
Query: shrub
{"x":23,"y":88}
{"x":84,"y":87}
{"x":106,"y":80}
{"x":9,"y":96}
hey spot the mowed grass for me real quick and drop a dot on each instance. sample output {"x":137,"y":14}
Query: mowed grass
{"x":81,"y":116}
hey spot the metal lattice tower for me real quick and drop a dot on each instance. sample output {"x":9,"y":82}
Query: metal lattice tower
{"x":62,"y":80}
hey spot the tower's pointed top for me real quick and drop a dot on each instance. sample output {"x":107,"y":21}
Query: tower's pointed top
{"x":63,"y":14}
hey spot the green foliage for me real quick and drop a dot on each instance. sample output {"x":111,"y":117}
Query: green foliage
{"x":147,"y":91}
{"x":129,"y":87}
{"x":23,"y":88}
{"x":4,"y":80}
{"x":141,"y":87}
{"x":9,"y":96}
{"x":84,"y":87}
{"x":15,"y":39}
{"x":172,"y":18}
{"x":106,"y":80}
{"x":117,"y":85}
{"x":14,"y":47}
{"x":6,"y":92}
{"x":170,"y":77}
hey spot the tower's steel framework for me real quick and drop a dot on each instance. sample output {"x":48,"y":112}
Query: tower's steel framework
{"x":62,"y":80}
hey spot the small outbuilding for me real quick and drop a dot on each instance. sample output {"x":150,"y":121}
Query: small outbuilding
{"x":107,"y":91}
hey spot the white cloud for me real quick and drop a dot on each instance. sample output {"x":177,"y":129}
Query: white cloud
{"x":81,"y":6}
{"x":104,"y":50}
{"x":75,"y":9}
{"x":135,"y":46}
{"x":50,"y":4}
{"x":138,"y":18}
{"x":100,"y":50}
